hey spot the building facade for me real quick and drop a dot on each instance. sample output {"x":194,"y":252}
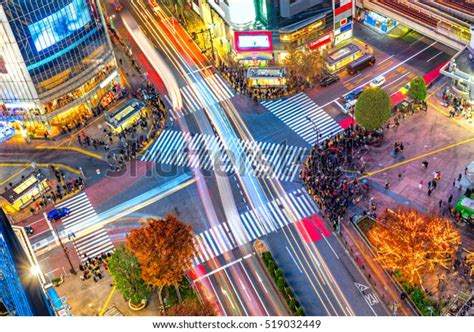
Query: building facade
{"x":21,"y":292}
{"x":460,"y":71}
{"x":55,"y":57}
{"x":241,"y":27}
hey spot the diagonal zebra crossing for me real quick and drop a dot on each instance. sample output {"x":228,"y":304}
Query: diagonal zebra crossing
{"x":302,"y":115}
{"x":265,"y":159}
{"x":83,"y":213}
{"x":219,"y":88}
{"x":256,"y":223}
{"x":94,"y":244}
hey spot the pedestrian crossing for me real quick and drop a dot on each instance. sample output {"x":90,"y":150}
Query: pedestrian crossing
{"x":256,"y":223}
{"x":213,"y":242}
{"x":81,"y":212}
{"x":220,"y":91}
{"x":302,"y":115}
{"x":93,"y":244}
{"x":265,"y":159}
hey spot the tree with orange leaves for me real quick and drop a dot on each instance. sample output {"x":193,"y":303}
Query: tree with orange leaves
{"x":414,"y":244}
{"x":164,"y":248}
{"x":191,"y":308}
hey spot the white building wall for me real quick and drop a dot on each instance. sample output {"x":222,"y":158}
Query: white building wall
{"x":16,"y":86}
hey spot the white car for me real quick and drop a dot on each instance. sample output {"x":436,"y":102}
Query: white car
{"x":378,"y":81}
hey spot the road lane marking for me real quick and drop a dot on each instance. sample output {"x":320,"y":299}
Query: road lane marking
{"x":227,"y":295}
{"x":255,"y":289}
{"x":236,"y":293}
{"x":354,"y":77}
{"x":294,"y":260}
{"x":217,"y":296}
{"x":394,"y":81}
{"x":55,"y":236}
{"x":261,"y":281}
{"x":245,"y":290}
{"x":106,"y":304}
{"x":379,"y":63}
{"x":397,"y":65}
{"x":362,"y":288}
{"x":434,"y":56}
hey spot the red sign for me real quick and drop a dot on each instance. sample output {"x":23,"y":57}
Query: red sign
{"x":253,"y":41}
{"x":343,"y":8}
{"x":320,"y":42}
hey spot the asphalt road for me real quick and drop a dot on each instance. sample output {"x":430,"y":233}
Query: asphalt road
{"x":325,"y":280}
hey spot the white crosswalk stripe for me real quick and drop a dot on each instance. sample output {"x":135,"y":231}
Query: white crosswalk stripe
{"x":302,"y":115}
{"x":266,"y":160}
{"x":80,"y":211}
{"x":256,"y":223}
{"x":93,"y":244}
{"x":213,"y":242}
{"x":218,"y":87}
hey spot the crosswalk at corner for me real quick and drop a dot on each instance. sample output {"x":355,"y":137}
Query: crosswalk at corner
{"x":82,"y":215}
{"x":93,"y":244}
{"x":302,"y":115}
{"x":220,"y":91}
{"x":256,"y":223}
{"x":276,"y":215}
{"x":213,"y":242}
{"x":80,"y":211}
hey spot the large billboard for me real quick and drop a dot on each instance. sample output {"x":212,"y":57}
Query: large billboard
{"x":59,"y":25}
{"x":253,"y":41}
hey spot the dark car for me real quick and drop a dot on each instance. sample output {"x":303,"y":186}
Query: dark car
{"x":328,"y":80}
{"x":58,"y":214}
{"x":353,"y":94}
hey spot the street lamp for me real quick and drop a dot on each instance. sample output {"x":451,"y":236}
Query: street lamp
{"x":316,"y":129}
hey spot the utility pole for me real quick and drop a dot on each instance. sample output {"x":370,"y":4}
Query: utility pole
{"x":65,"y":250}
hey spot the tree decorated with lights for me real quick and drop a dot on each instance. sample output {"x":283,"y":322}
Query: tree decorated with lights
{"x":414,"y":244}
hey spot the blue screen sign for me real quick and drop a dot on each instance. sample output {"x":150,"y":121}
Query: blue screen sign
{"x":59,"y":25}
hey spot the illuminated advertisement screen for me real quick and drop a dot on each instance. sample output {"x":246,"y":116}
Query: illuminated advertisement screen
{"x":258,"y":41}
{"x":59,"y":25}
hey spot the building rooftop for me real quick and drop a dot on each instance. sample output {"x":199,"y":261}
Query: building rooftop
{"x":465,"y":61}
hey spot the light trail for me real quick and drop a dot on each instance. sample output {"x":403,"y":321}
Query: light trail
{"x":251,"y":187}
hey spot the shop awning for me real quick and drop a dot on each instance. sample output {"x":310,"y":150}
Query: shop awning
{"x":55,"y":299}
{"x":254,"y":56}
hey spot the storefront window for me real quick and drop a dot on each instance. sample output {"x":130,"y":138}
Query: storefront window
{"x":379,"y":22}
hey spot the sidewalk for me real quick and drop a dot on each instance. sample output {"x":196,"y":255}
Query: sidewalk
{"x":61,"y":188}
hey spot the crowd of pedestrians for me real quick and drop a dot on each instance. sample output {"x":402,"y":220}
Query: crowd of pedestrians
{"x":92,"y":267}
{"x":59,"y":188}
{"x":237,"y":77}
{"x":459,"y":107}
{"x":325,"y":173}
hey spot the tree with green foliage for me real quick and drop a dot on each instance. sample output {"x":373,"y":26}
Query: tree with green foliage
{"x":418,"y":89}
{"x":300,"y":311}
{"x":126,"y":272}
{"x":281,"y":283}
{"x":372,"y":108}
